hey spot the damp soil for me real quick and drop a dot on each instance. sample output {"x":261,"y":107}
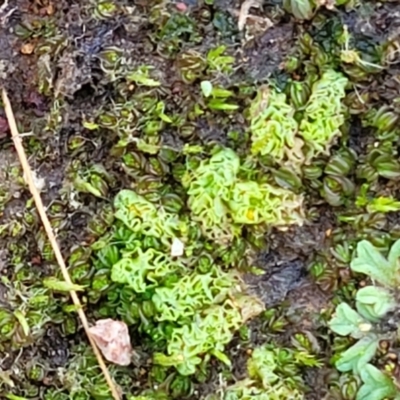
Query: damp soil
{"x":58,"y":45}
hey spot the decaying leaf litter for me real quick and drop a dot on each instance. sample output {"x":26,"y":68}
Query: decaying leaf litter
{"x":210,"y":170}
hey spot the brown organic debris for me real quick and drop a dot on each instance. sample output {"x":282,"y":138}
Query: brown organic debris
{"x":244,"y":11}
{"x":112,"y":338}
{"x":27,"y":48}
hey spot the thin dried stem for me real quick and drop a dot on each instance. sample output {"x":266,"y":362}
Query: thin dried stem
{"x":47,"y":226}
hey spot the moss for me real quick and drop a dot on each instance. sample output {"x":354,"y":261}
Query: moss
{"x":223,"y":203}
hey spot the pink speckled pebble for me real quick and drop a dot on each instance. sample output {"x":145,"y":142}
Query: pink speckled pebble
{"x":112,"y":338}
{"x":181,"y":7}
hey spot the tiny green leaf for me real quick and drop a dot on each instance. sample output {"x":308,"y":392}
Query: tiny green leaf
{"x":357,"y":356}
{"x":370,"y":261}
{"x":141,"y":78}
{"x":90,"y":125}
{"x":377,"y":385}
{"x":217,"y":104}
{"x":347,"y":321}
{"x":394,"y":256}
{"x":220,"y":93}
{"x":222,"y":357}
{"x":82,"y":186}
{"x":383,"y":204}
{"x":61,"y":286}
{"x":149,"y":148}
{"x":14,"y":397}
{"x":376,"y":300}
{"x":23,"y":322}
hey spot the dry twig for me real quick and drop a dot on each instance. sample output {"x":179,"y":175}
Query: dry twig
{"x":244,"y":11}
{"x":47,"y":226}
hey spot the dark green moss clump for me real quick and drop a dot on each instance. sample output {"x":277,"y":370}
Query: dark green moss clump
{"x":231,"y":195}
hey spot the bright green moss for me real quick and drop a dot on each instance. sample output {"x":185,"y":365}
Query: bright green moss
{"x":264,"y":382}
{"x":324,"y":114}
{"x":141,"y":216}
{"x":194,"y":313}
{"x":193,"y":292}
{"x":144,"y":270}
{"x":222,"y":203}
{"x":272,"y":125}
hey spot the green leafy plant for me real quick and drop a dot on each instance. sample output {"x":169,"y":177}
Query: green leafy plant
{"x":219,"y":99}
{"x":94,"y":180}
{"x":377,"y":385}
{"x":272,"y":125}
{"x":301,"y":9}
{"x":217,"y":61}
{"x":143,"y":217}
{"x":191,"y":314}
{"x":267,"y":379}
{"x":142,"y":77}
{"x":372,"y":303}
{"x":276,"y":133}
{"x":323,"y":114}
{"x":381,"y":204}
{"x":223,"y":203}
{"x":306,"y":9}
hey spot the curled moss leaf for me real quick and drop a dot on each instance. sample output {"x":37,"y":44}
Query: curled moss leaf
{"x":384,"y":120}
{"x":209,"y":188}
{"x":222,"y":202}
{"x":323,"y":115}
{"x":253,"y":203}
{"x":144,"y":270}
{"x":266,"y":381}
{"x":272,"y":124}
{"x":193,"y":292}
{"x":210,"y":331}
{"x":142,"y":216}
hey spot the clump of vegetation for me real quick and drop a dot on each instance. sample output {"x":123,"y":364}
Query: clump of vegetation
{"x":194,"y":312}
{"x":373,"y":304}
{"x":276,"y":133}
{"x":272,"y":124}
{"x":194,"y":159}
{"x":267,"y":379}
{"x":223,"y":203}
{"x":323,"y":115}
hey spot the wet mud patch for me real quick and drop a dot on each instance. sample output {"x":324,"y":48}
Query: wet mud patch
{"x":277,"y":282}
{"x":265,"y":54}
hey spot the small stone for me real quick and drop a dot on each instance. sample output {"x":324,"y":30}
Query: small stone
{"x":177,"y":248}
{"x":112,"y":338}
{"x":182,"y":7}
